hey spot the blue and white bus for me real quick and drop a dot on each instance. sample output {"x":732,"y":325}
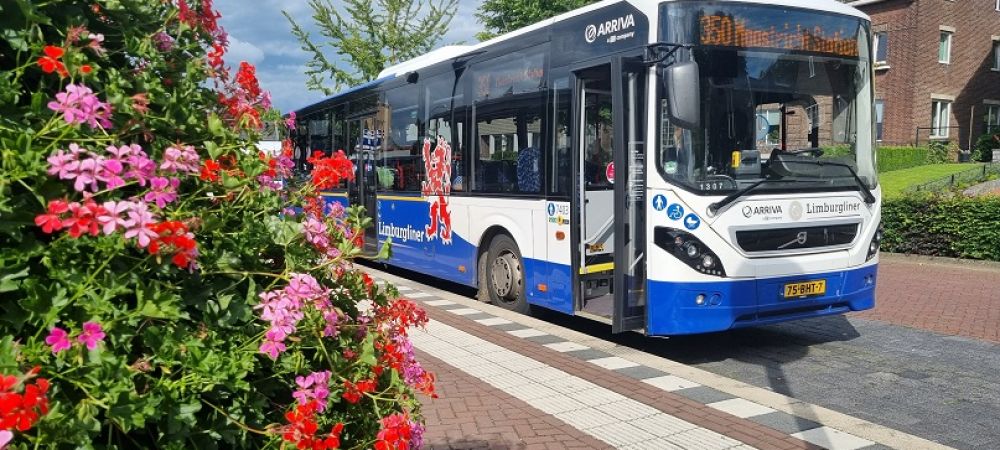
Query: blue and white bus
{"x":672,"y":167}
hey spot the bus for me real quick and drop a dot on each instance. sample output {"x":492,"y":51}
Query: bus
{"x":667,"y":167}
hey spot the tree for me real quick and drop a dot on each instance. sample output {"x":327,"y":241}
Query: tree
{"x":503,"y":16}
{"x":369,"y":35}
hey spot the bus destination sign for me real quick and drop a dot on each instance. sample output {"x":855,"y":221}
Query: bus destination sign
{"x":735,"y":31}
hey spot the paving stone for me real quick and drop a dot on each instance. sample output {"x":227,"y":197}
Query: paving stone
{"x":620,"y":434}
{"x":612,"y":362}
{"x":545,"y":339}
{"x":628,"y":410}
{"x":671,"y":383}
{"x":558,"y":404}
{"x":528,"y":332}
{"x":588,"y":355}
{"x":641,"y":372}
{"x":655,"y":444}
{"x":440,"y":303}
{"x":832,"y":439}
{"x":597,"y":396}
{"x":513,"y":326}
{"x":493,"y":321}
{"x":418,"y":295}
{"x":465,"y":311}
{"x":566,"y":346}
{"x":784,"y":422}
{"x":663,"y":425}
{"x":704,"y":394}
{"x":741,"y":408}
{"x":582,"y":419}
{"x":701,"y":439}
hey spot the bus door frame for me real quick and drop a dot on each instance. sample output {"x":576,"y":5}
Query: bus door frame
{"x":622,"y":318}
{"x":366,"y":178}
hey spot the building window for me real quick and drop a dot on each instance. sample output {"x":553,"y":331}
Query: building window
{"x":940,"y":118}
{"x":944,"y":47}
{"x":882,"y":48}
{"x":768,"y":127}
{"x":991,"y":119}
{"x":879,"y":118}
{"x":996,"y":54}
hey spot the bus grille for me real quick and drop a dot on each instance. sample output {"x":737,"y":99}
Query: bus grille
{"x":796,"y":239}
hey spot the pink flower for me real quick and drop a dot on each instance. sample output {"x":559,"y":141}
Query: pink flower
{"x":181,"y":160}
{"x":164,"y":42}
{"x":111,"y":218}
{"x":290,"y":121}
{"x":162,"y":191}
{"x":95,"y":43}
{"x":64,"y":164}
{"x":140,"y":167}
{"x":87,"y":175}
{"x":79,"y":105}
{"x":5,"y":437}
{"x":316,"y":387}
{"x":91,"y":335}
{"x":110,"y":172}
{"x":272,"y":345}
{"x":137,"y":224}
{"x":58,"y":339}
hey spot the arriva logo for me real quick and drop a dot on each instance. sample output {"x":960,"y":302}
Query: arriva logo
{"x":767,"y":210}
{"x":612,"y":26}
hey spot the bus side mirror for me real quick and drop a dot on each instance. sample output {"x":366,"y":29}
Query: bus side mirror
{"x":682,"y":83}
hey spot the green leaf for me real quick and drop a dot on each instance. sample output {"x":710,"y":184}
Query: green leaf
{"x":10,"y":283}
{"x":213,"y":150}
{"x":367,"y":355}
{"x":215,"y":126}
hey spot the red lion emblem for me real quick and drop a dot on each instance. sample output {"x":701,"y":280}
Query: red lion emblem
{"x":437,"y":165}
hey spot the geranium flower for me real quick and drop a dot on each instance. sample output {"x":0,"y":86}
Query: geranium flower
{"x":58,"y":339}
{"x":80,"y":105}
{"x":395,"y":434}
{"x":140,"y":103}
{"x":5,"y":438}
{"x":96,"y":40}
{"x":272,"y":346}
{"x":91,"y":335}
{"x":315,"y":386}
{"x":180,"y":159}
{"x":50,"y":62}
{"x":111,"y":218}
{"x":210,"y":170}
{"x":51,"y":221}
{"x":110,"y":171}
{"x":83,"y":218}
{"x":162,"y":191}
{"x":164,"y":42}
{"x":63,"y":164}
{"x":137,"y":225}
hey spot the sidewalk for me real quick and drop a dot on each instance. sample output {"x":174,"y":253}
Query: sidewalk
{"x":508,"y":381}
{"x":939,"y":296}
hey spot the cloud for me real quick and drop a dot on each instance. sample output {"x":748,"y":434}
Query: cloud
{"x":261,"y":35}
{"x":243,"y":51}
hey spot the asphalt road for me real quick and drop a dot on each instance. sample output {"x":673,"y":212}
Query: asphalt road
{"x":943,"y":388}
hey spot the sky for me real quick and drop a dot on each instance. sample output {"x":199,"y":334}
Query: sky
{"x":260,"y":35}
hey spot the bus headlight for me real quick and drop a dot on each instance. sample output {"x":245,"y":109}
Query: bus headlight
{"x":689,"y":250}
{"x":876,"y":243}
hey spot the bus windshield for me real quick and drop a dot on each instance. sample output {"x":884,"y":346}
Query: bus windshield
{"x":785,"y":95}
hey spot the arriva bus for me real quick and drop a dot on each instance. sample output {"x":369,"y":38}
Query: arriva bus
{"x":672,"y":167}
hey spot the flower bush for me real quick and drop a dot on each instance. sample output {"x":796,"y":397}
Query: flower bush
{"x":159,"y":285}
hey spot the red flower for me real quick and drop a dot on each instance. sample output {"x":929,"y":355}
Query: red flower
{"x":210,"y":170}
{"x":353,"y":392}
{"x":328,"y":171}
{"x":85,"y":69}
{"x":174,"y":237}
{"x":52,"y":220}
{"x":50,"y":62}
{"x":402,"y":314}
{"x":22,"y":411}
{"x":302,"y":428}
{"x":83,"y":218}
{"x":395,"y":434}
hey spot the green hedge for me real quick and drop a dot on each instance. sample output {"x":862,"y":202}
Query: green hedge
{"x":958,"y":227}
{"x":889,"y":158}
{"x":896,"y":158}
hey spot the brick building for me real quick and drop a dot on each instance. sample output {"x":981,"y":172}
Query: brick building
{"x":937,"y":74}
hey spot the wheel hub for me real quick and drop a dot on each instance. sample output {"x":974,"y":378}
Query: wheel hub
{"x":506,"y":276}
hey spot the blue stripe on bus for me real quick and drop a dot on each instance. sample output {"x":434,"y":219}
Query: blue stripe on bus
{"x":672,"y":309}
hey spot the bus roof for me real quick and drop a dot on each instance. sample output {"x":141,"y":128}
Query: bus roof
{"x":650,"y":6}
{"x":451,"y":52}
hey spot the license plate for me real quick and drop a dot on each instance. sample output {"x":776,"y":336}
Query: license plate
{"x":805,"y":289}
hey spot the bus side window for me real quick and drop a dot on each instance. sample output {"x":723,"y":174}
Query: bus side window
{"x":443,"y":98}
{"x":560,"y":155}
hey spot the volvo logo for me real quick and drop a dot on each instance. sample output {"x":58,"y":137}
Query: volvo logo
{"x":800,"y":239}
{"x":795,"y":211}
{"x":591,"y":34}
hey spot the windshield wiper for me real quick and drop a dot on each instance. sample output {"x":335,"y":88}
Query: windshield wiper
{"x":715,"y":207}
{"x":869,"y":196}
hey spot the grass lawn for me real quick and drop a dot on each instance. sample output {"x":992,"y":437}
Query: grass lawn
{"x":894,"y":182}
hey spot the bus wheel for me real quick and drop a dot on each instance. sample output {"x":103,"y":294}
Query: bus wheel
{"x":505,"y":275}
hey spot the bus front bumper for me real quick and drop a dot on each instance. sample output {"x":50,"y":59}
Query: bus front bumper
{"x":674,"y":309}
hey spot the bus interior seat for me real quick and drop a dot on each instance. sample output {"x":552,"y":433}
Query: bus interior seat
{"x":528,"y":172}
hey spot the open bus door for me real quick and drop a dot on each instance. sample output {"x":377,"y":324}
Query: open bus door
{"x":610,"y":238}
{"x":366,"y":134}
{"x":628,"y":89}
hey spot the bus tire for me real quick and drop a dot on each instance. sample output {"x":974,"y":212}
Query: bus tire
{"x":483,"y":293}
{"x":505,"y":275}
